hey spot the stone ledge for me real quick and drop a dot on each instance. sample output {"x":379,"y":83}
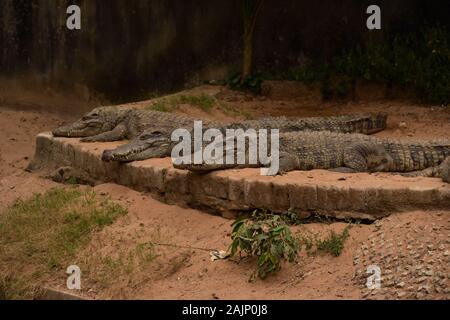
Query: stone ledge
{"x":228,"y":192}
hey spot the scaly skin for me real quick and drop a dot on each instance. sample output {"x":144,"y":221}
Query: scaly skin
{"x":445,"y":170}
{"x":154,"y":143}
{"x":99,"y":121}
{"x":112,"y":124}
{"x":442,"y":170}
{"x":355,"y":152}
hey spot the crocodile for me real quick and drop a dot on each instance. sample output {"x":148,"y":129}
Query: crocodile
{"x":105,"y":124}
{"x":153,"y":143}
{"x":344,"y":153}
{"x":442,"y":170}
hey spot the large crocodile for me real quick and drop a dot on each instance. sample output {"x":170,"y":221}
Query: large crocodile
{"x":344,"y":152}
{"x":113,"y":123}
{"x":155,"y":143}
{"x":117,"y":123}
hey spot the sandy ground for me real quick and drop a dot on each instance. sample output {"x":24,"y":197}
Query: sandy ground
{"x":183,"y":270}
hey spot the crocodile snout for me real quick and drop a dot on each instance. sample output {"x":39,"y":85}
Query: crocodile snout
{"x":107,"y":155}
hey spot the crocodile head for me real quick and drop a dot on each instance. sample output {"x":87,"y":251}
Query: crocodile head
{"x":379,"y":160}
{"x":150,"y":144}
{"x":97,"y":121}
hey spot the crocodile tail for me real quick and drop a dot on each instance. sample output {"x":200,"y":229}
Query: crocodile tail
{"x":416,"y":156}
{"x":366,"y":124}
{"x":374,"y":123}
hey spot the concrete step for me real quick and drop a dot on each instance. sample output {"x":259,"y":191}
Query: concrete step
{"x":229,"y":192}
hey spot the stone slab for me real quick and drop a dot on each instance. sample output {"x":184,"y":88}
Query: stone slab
{"x":229,"y":192}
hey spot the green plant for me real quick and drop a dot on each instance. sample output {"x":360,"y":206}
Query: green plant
{"x":160,"y":105}
{"x":73,"y":181}
{"x":268,"y":239}
{"x":418,"y":62}
{"x":146,"y":252}
{"x":250,"y":83}
{"x":202,"y":101}
{"x":334,"y":243}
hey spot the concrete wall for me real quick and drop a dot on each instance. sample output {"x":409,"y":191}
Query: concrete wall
{"x":127,"y":49}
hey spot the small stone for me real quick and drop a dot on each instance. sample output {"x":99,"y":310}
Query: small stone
{"x":400,"y":284}
{"x":401,"y":294}
{"x":378,"y":223}
{"x":388,"y":277}
{"x":429,"y":273}
{"x":425,"y":288}
{"x":421,"y":279}
{"x":420,"y":295}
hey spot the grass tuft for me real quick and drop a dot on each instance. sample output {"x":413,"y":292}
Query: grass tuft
{"x":44,"y":233}
{"x":334,"y":243}
{"x":203,"y":101}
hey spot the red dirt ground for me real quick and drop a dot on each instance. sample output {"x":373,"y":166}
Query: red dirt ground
{"x":186,"y":272}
